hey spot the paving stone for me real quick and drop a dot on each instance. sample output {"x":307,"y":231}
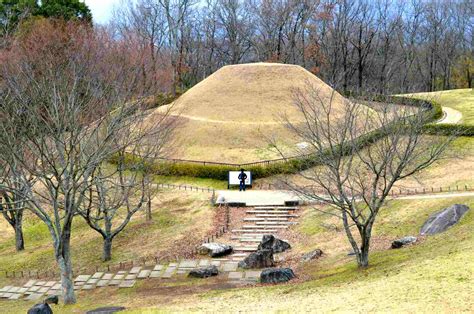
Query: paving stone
{"x":122,"y":272}
{"x":235,"y":275}
{"x":229,"y":266}
{"x":54,"y":292}
{"x":158,"y":267}
{"x":144,"y":274}
{"x":189,"y":264}
{"x":98,"y":275}
{"x":79,"y":283}
{"x":107,"y":276}
{"x":173,"y":265}
{"x":5,"y":289}
{"x":204,"y":262}
{"x":252,"y":275}
{"x":1,"y":294}
{"x":102,"y":283}
{"x":114,"y":282}
{"x":82,"y":278}
{"x":22,"y":290}
{"x":78,"y":288}
{"x":15,"y":296}
{"x":56,"y":286}
{"x":14,"y":289}
{"x":43,"y":289}
{"x":168,"y":272}
{"x":29,"y":284}
{"x":127,"y":284}
{"x":88,"y":287}
{"x":135,"y":270}
{"x":50,"y":283}
{"x":92,"y":281}
{"x":7,"y":295}
{"x":155,"y":274}
{"x":40,"y":283}
{"x":119,"y":276}
{"x":181,"y":271}
{"x":131,"y":277}
{"x":34,"y":297}
{"x":34,"y":288}
{"x":216,"y":263}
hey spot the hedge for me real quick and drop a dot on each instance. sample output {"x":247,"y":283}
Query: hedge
{"x":220,"y":172}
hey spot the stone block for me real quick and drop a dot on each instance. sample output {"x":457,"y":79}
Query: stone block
{"x":107,"y":276}
{"x":82,"y":278}
{"x":144,"y":274}
{"x":102,"y":283}
{"x":15,"y":296}
{"x":135,"y":270}
{"x":98,"y":275}
{"x":127,"y":284}
{"x":29,"y":284}
{"x":158,"y":267}
{"x":34,"y":297}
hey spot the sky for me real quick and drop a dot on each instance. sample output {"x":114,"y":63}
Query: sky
{"x":101,"y":9}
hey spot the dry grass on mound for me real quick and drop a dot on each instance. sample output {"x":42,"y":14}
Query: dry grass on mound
{"x":231,"y":115}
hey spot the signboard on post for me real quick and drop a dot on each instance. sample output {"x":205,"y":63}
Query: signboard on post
{"x":234,"y":178}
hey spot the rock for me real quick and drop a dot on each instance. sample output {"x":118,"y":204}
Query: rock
{"x":269,"y":242}
{"x":276,"y":275}
{"x":52,"y":300}
{"x":442,"y":220}
{"x":106,"y":310}
{"x":204,"y":272}
{"x":41,"y":308}
{"x":312,"y":255}
{"x":215,"y":249}
{"x":259,"y":259}
{"x":403,"y":241}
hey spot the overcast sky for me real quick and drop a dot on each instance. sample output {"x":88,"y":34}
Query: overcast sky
{"x":101,"y":9}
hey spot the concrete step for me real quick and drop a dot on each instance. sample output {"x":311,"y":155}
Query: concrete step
{"x":275,"y":208}
{"x":267,"y":212}
{"x":249,"y":236}
{"x":262,"y":224}
{"x":276,"y":215}
{"x":251,"y":240}
{"x":266,"y":219}
{"x":245,"y":248}
{"x":261,"y":231}
{"x":275,"y":224}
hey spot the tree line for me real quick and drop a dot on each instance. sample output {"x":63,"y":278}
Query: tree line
{"x":386,"y":46}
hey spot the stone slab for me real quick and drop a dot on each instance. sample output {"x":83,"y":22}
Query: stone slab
{"x":43,"y":289}
{"x":158,"y":267}
{"x":114,"y":282}
{"x":235,"y":275}
{"x":252,"y":275}
{"x":6,"y":288}
{"x":144,"y":274}
{"x":119,"y":276}
{"x":34,"y":296}
{"x":82,"y":278}
{"x":102,"y":283}
{"x":216,"y":263}
{"x":229,"y":266}
{"x":189,"y":264}
{"x":135,"y":270}
{"x":34,"y":288}
{"x":127,"y":284}
{"x":98,"y":275}
{"x":15,"y":296}
{"x":40,"y":283}
{"x":22,"y":290}
{"x":131,"y":277}
{"x":107,"y":276}
{"x":92,"y":281}
{"x":88,"y":287}
{"x":168,"y":272}
{"x":122,"y":272}
{"x":14,"y":289}
{"x":173,"y":265}
{"x":50,"y":283}
{"x":204,"y":262}
{"x":29,"y":284}
{"x":181,"y":271}
{"x":155,"y":274}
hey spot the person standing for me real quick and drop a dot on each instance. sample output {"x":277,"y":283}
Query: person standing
{"x":242,"y":178}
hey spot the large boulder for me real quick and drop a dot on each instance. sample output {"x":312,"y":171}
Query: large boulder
{"x":312,"y":255}
{"x":204,"y":272}
{"x":215,"y":249}
{"x":276,"y":275}
{"x":442,"y":220}
{"x":269,"y":242}
{"x":41,"y":308}
{"x":259,"y":259}
{"x":403,"y":241}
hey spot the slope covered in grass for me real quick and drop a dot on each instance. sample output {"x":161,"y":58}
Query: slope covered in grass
{"x":435,"y":275}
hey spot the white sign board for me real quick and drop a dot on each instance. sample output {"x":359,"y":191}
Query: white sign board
{"x":234,"y":178}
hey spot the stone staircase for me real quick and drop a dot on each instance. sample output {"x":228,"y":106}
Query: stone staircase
{"x":260,"y":221}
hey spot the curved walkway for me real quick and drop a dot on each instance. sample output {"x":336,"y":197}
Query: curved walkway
{"x":450,"y":115}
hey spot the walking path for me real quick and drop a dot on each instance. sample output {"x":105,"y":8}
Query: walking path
{"x":450,"y":115}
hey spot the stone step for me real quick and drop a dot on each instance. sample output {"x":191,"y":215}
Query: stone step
{"x":264,"y":226}
{"x":251,"y":240}
{"x":245,"y":248}
{"x":276,"y":215}
{"x":275,"y":224}
{"x":246,"y":236}
{"x":267,"y":211}
{"x":275,"y":208}
{"x":239,"y":255}
{"x":258,"y":231}
{"x":266,"y":219}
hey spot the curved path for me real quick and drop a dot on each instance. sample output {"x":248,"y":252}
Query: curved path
{"x":450,"y":115}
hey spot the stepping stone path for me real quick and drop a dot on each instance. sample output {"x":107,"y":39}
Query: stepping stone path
{"x":260,"y":221}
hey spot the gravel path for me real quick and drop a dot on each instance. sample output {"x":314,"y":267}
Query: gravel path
{"x":450,"y":115}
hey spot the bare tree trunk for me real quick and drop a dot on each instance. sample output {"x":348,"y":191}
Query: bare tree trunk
{"x":148,"y":209}
{"x":19,"y":240}
{"x":107,"y":253}
{"x":67,"y":283}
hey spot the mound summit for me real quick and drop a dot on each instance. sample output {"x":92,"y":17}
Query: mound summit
{"x":228,"y":116}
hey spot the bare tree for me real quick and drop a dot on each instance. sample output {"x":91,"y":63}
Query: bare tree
{"x":361,"y":154}
{"x":69,"y":86}
{"x":121,"y":189}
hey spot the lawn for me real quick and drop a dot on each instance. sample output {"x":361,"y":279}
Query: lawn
{"x":459,"y":99}
{"x":435,"y":275}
